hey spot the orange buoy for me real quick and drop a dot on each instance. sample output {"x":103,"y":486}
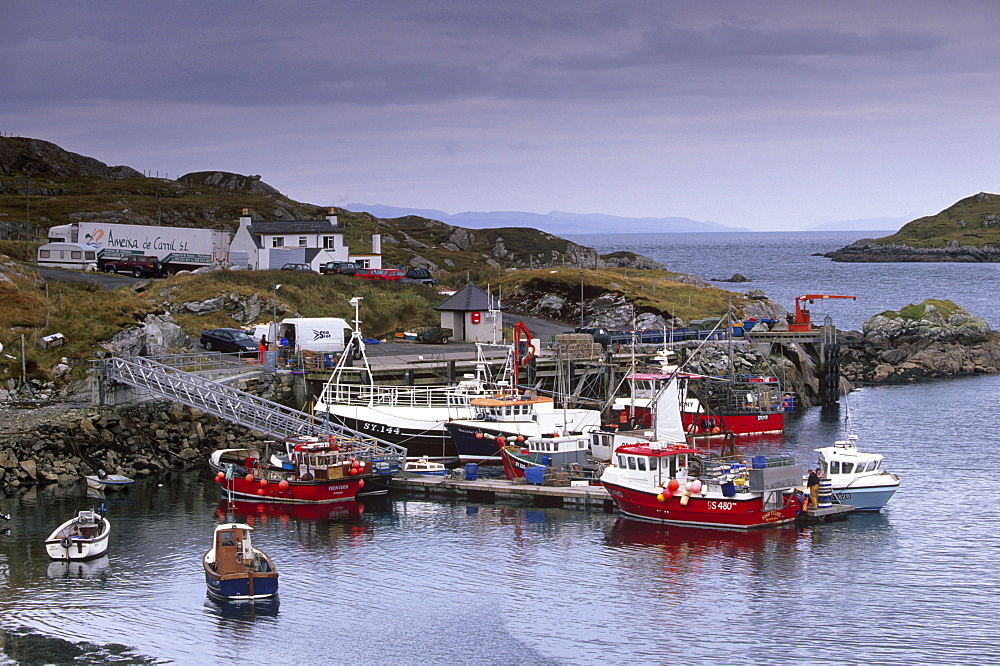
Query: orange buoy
{"x":263,"y":483}
{"x":219,"y":477}
{"x":260,"y":491}
{"x":361,"y":484}
{"x":283,"y":484}
{"x":673,"y":485}
{"x":354,"y":471}
{"x":479,"y":435}
{"x":249,"y":477}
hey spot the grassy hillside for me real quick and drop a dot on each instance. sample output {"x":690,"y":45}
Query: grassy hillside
{"x":653,"y":291}
{"x":972,"y":221}
{"x":88,"y":316}
{"x":42,"y":185}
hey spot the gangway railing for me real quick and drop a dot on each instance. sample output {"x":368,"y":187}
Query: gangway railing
{"x":226,"y":402}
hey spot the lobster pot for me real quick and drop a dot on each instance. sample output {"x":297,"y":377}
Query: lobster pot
{"x":825,"y":497}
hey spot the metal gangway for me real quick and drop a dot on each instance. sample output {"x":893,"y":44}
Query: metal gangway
{"x":228,"y":403}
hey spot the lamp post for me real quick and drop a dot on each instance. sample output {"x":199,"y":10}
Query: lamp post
{"x":274,"y":312}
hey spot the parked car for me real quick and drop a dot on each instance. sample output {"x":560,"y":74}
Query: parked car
{"x":420,"y":276}
{"x":393,"y":274}
{"x":305,"y":268}
{"x":231,"y":340}
{"x":339,"y":268}
{"x":136,"y":264}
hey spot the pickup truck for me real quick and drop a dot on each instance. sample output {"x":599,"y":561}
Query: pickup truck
{"x":136,"y":264}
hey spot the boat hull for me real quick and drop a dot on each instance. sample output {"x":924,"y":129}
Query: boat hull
{"x":738,"y":423}
{"x":865,"y":499}
{"x":703,"y":511}
{"x":111,"y":482}
{"x":242,"y":587}
{"x":421,"y":437}
{"x":312,"y":492}
{"x":482,"y":450}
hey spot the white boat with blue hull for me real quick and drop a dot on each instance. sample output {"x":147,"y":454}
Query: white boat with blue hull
{"x":857,"y":478}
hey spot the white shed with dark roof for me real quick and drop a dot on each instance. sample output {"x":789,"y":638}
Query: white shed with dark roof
{"x":473,"y":315}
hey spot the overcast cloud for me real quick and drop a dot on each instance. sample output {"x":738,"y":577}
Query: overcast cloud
{"x":769,"y":115}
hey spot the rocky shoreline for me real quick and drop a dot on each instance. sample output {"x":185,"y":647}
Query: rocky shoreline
{"x":870,"y":250}
{"x":61,"y":443}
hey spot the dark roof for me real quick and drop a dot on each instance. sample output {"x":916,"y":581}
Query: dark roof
{"x":471,"y":298}
{"x":294,"y":227}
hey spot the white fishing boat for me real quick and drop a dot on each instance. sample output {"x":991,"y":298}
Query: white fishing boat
{"x":105,"y":481}
{"x":82,"y":537}
{"x":425,"y":467}
{"x":857,"y":478}
{"x":410,"y":416}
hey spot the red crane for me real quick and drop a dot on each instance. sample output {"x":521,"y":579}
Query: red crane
{"x":802,"y":321}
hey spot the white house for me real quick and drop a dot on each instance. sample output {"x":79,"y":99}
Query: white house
{"x":269,"y":244}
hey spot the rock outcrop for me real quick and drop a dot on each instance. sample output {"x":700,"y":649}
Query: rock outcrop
{"x":932,"y":339}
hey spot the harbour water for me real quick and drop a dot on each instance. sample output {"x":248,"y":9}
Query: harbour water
{"x":418,"y":581}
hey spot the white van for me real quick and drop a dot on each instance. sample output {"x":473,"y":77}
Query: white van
{"x":318,"y":334}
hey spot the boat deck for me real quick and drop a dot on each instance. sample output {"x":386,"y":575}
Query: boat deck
{"x":826,"y":514}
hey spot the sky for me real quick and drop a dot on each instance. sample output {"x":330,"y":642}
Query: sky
{"x":766,"y":115}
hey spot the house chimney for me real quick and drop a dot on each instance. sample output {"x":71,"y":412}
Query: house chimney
{"x":376,"y":243}
{"x":245,"y":218}
{"x":331,"y":216}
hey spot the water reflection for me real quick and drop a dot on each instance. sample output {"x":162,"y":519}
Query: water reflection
{"x":241,"y":610}
{"x":261,"y":512}
{"x":77,"y":568}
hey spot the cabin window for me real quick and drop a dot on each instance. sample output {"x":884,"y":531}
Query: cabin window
{"x":581,"y":445}
{"x":871,"y":466}
{"x":44,"y":254}
{"x":847,"y":468}
{"x":226,"y":539}
{"x":621,"y":461}
{"x":76,"y":254}
{"x":631,"y":462}
{"x":90,"y":256}
{"x":876,"y":465}
{"x":642,"y":464}
{"x":652,"y":464}
{"x":835,"y":467}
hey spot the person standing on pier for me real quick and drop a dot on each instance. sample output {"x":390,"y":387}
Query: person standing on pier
{"x":813,"y":485}
{"x":263,"y":348}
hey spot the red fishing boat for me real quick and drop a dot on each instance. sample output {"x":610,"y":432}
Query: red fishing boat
{"x":744,"y":405}
{"x":656,"y":476}
{"x":317,"y":473}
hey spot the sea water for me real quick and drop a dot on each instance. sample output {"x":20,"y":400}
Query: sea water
{"x":416,"y":581}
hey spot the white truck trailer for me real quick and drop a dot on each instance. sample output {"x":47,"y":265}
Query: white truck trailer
{"x":177,"y":248}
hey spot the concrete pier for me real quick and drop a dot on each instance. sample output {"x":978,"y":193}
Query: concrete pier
{"x":502,"y":491}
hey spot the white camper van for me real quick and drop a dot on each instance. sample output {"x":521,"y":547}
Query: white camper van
{"x":318,"y":334}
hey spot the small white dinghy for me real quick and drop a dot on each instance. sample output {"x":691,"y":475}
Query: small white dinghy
{"x":82,"y":537}
{"x":105,"y":481}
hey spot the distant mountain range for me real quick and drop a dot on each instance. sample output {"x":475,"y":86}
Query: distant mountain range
{"x":868,"y":224}
{"x":555,"y":222}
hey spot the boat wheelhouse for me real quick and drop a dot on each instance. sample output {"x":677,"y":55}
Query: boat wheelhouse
{"x":569,"y":453}
{"x":509,"y":418}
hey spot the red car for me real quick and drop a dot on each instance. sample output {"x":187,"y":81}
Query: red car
{"x":393,"y":274}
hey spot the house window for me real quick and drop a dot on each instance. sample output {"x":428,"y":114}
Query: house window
{"x":278,"y":241}
{"x":302,"y":241}
{"x":329,"y":242}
